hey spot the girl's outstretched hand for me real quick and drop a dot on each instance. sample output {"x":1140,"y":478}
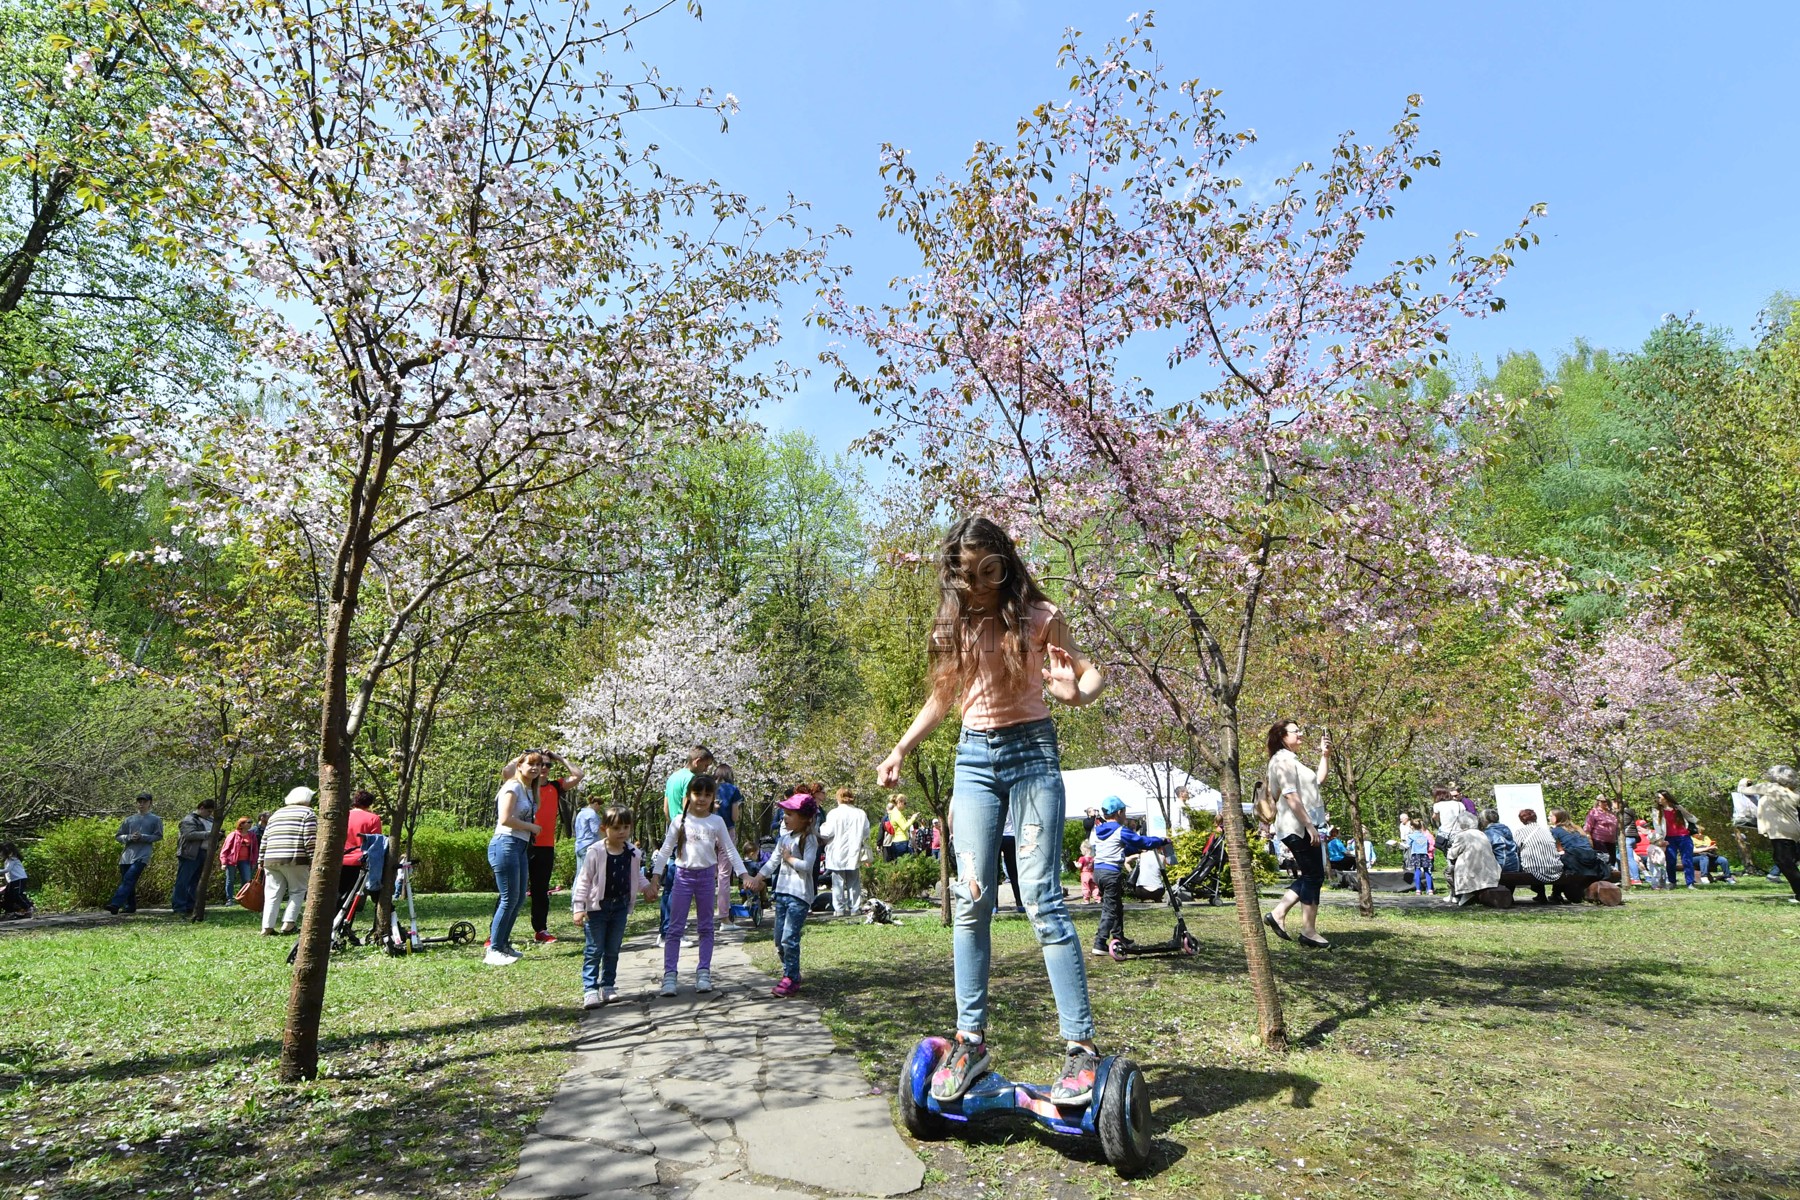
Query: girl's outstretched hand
{"x":755,"y":883}
{"x":1059,"y":673}
{"x":887,"y":775}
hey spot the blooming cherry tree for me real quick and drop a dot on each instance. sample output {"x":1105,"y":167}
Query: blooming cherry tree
{"x":465,"y":300}
{"x":1302,"y":447}
{"x":689,"y":677}
{"x":1619,"y":709}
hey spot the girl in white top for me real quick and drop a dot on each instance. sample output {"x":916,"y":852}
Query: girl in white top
{"x":697,"y":842}
{"x":793,"y":865}
{"x":1299,"y":818}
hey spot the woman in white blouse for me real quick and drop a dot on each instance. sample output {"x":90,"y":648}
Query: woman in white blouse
{"x":1299,"y":821}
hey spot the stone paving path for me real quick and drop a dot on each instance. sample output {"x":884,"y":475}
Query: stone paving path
{"x":734,"y":1095}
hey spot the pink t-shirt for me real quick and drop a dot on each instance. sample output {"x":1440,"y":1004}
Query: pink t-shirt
{"x":987,"y":704}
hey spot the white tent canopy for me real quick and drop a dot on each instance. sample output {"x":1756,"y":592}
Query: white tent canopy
{"x":1137,"y":785}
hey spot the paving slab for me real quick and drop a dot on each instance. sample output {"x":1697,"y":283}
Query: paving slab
{"x":706,"y":1101}
{"x":851,"y":1145}
{"x":555,"y":1167}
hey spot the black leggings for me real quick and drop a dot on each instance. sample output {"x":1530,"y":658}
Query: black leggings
{"x":1787,"y":861}
{"x":1309,"y":859}
{"x":1009,"y":863}
{"x":540,"y":861}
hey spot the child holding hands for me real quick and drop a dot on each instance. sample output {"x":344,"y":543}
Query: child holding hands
{"x":609,"y":882}
{"x":696,"y":841}
{"x":792,"y":863}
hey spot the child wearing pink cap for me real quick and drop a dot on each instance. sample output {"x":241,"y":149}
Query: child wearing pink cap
{"x":791,"y":865}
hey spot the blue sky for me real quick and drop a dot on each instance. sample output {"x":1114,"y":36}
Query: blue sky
{"x":1660,"y":134}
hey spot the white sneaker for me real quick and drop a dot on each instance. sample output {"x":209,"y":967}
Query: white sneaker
{"x":668,"y":987}
{"x":703,"y":981}
{"x":608,"y":995}
{"x":498,"y":958}
{"x":591,"y":999}
{"x":692,"y":941}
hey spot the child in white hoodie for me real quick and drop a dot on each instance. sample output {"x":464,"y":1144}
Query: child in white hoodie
{"x":610,"y":881}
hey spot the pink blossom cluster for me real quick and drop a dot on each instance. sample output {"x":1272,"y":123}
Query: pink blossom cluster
{"x":1620,"y":710}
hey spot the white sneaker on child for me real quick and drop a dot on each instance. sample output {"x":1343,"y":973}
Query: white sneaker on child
{"x":498,"y":958}
{"x":668,"y":987}
{"x":608,"y":995}
{"x":591,"y":999}
{"x":703,"y":981}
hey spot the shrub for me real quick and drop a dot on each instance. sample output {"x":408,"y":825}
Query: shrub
{"x":76,"y":865}
{"x":451,"y":860}
{"x":1074,"y":833}
{"x":905,"y":879}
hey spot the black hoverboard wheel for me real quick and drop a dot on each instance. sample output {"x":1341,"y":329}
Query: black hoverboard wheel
{"x":915,"y":1089}
{"x":1123,"y":1117}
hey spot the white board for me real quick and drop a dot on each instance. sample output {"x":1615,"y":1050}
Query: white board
{"x":1509,"y":798}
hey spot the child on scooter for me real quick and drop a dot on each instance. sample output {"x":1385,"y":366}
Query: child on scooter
{"x":1113,"y":840}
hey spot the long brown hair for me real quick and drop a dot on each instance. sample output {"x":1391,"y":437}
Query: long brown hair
{"x":698,"y":785}
{"x":953,"y":661}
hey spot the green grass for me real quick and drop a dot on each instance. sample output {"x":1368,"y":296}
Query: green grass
{"x":1652,"y":1050}
{"x":139,"y":1059}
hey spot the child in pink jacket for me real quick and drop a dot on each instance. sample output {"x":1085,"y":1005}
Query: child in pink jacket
{"x":610,"y":881}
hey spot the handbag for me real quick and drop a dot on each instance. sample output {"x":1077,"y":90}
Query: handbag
{"x":251,"y":894}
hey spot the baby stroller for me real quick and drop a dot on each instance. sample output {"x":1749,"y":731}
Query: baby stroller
{"x":343,"y":923}
{"x":749,"y":905}
{"x":1208,"y":877}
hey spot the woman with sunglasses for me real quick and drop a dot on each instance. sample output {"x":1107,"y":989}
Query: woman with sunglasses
{"x":1299,"y":817}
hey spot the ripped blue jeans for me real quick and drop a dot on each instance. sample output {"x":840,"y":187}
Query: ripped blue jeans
{"x":1016,"y":768}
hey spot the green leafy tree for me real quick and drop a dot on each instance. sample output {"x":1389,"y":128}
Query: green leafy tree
{"x":1725,"y":487}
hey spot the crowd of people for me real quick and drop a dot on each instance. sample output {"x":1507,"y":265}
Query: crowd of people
{"x":1486,"y":858}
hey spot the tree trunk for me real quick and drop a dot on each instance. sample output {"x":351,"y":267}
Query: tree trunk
{"x":221,"y":809}
{"x":306,"y":998}
{"x":1257,"y":963}
{"x":1365,"y":900}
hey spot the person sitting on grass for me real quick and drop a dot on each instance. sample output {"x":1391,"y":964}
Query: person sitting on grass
{"x":1708,"y":861}
{"x":1113,"y":840}
{"x":1538,"y":855}
{"x":1473,"y":868}
{"x":1338,"y":858}
{"x":1581,"y":866}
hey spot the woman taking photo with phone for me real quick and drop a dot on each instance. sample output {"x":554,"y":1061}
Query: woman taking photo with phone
{"x":1299,"y":820}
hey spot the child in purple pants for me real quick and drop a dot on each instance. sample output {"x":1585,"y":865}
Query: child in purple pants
{"x":696,"y":843}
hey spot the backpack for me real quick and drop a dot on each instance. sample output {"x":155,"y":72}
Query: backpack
{"x":1265,"y":807}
